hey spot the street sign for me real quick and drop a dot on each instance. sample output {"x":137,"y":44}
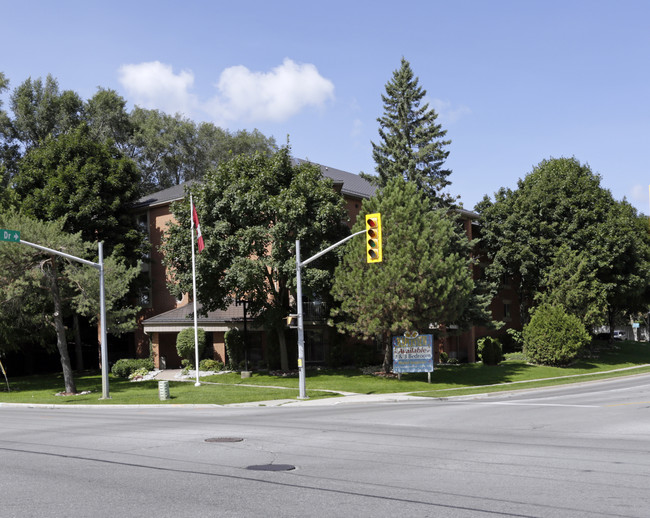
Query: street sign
{"x":9,"y":235}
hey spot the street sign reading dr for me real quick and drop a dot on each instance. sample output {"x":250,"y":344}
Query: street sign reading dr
{"x":9,"y":235}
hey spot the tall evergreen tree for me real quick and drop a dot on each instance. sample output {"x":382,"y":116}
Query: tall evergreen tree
{"x":412,"y":144}
{"x":425,"y":277}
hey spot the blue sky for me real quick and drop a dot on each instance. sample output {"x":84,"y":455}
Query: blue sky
{"x":513,"y":82}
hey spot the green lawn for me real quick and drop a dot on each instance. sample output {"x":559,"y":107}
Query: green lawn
{"x":447,"y":380}
{"x":42,"y":390}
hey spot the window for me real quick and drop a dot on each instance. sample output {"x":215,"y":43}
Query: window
{"x":144,"y":289}
{"x":314,"y":345}
{"x":507,"y":308}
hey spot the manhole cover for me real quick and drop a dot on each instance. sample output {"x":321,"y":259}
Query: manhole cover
{"x":272,"y":467}
{"x":224,"y":439}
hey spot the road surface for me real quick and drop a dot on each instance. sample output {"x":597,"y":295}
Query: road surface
{"x":579,"y":451}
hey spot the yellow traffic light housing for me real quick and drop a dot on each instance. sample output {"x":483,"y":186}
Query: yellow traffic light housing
{"x":373,"y":238}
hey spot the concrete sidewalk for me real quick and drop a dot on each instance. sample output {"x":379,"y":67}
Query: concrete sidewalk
{"x":170,"y":375}
{"x":343,"y":397}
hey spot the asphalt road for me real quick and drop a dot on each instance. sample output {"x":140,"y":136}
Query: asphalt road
{"x":581,"y":451}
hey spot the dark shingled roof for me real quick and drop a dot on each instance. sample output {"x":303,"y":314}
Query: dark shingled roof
{"x":176,"y":192}
{"x":185,"y":315}
{"x":351,"y":185}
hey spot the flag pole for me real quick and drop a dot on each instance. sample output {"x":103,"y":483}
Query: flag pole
{"x":196,"y":326}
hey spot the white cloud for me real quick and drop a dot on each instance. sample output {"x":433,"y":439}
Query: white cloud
{"x":272,"y":96}
{"x":640,"y":194}
{"x":154,"y":85}
{"x":242,"y":96}
{"x":448,"y":114}
{"x":357,"y":128}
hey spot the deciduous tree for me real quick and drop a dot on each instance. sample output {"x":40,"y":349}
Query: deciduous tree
{"x":38,"y":289}
{"x":89,"y":183}
{"x":252,"y":209}
{"x":560,"y":215}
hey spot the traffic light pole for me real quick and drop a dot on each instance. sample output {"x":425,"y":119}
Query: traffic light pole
{"x":301,"y":328}
{"x":102,"y":303}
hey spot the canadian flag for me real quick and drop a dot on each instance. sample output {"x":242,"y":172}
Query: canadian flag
{"x":199,"y":237}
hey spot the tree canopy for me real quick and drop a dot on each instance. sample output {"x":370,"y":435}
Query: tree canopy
{"x":252,"y":209}
{"x":88,"y":183}
{"x":560,"y":215}
{"x":167,"y":149}
{"x":39,"y":289}
{"x":170,"y":150}
{"x":412,"y":144}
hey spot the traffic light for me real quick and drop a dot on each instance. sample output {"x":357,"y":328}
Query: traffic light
{"x":373,"y":238}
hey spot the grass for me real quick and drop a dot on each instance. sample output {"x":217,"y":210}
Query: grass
{"x":42,"y":389}
{"x":447,"y":380}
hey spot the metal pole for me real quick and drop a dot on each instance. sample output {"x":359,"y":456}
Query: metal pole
{"x":102,"y":323}
{"x":196,"y":325}
{"x":102,"y":304}
{"x":301,"y":329}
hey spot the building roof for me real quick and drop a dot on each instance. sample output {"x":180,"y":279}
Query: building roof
{"x":185,"y":314}
{"x":181,"y":317}
{"x":469,"y":214}
{"x":351,"y":185}
{"x":174,"y":193}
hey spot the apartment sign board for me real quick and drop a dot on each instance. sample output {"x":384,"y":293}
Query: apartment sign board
{"x":413,"y":353}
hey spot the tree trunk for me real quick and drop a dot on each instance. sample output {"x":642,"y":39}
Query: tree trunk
{"x":61,"y":342}
{"x":610,"y":321}
{"x":2,"y":367}
{"x":634,"y":329}
{"x":77,"y":343}
{"x":388,"y":354}
{"x":284,"y":357}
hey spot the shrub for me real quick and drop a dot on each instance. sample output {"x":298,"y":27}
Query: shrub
{"x":512,"y":341}
{"x":553,"y":337}
{"x":234,"y":342}
{"x":444,"y":357}
{"x":210,"y":365}
{"x":125,"y":367}
{"x":138,"y":373}
{"x":490,"y":351}
{"x":185,"y":343}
